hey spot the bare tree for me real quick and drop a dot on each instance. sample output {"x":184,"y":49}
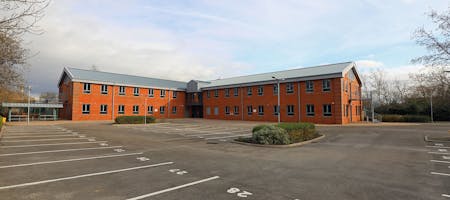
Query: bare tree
{"x":436,"y":41}
{"x":378,"y":84}
{"x":20,"y":16}
{"x":400,"y":90}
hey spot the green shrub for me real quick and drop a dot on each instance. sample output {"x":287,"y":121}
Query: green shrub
{"x":271,"y":135}
{"x":299,"y":132}
{"x":134,"y":119}
{"x":405,"y":118}
{"x":259,"y":127}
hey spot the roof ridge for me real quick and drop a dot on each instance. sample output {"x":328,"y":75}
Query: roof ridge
{"x":283,"y":70}
{"x":125,"y":74}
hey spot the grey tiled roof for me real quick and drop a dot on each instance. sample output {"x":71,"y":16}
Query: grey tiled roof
{"x":332,"y":69}
{"x":123,"y":79}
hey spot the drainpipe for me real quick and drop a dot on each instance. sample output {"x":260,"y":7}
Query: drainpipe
{"x":112,"y":109}
{"x":168,"y":106}
{"x":299,"y":105}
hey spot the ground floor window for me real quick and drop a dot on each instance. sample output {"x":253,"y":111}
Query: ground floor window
{"x":236,"y":110}
{"x":86,"y":108}
{"x":162,"y":109}
{"x":150,"y":109}
{"x":135,"y":109}
{"x":290,"y":110}
{"x":174,"y":110}
{"x":208,"y":111}
{"x":227,"y":110}
{"x":327,"y":110}
{"x":249,"y":110}
{"x":121,"y":109}
{"x":103,"y":109}
{"x":260,"y":110}
{"x":216,"y":110}
{"x":276,"y":110}
{"x":310,"y":110}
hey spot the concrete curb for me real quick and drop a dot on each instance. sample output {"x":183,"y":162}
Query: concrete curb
{"x":428,"y":140}
{"x":1,"y":131}
{"x":281,"y":146}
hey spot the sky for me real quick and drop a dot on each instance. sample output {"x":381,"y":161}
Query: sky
{"x":207,"y":40}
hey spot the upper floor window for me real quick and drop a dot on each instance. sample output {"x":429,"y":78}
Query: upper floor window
{"x":208,"y":94}
{"x":290,"y":110}
{"x":103,"y":109}
{"x":174,"y":94}
{"x":86,"y":108}
{"x":227,"y":92}
{"x":236,"y":92}
{"x":309,"y":86}
{"x":249,"y":91}
{"x":216,"y":93}
{"x":289,"y":88}
{"x":275,"y":89}
{"x":162,"y":93}
{"x":151,"y":92}
{"x":326,"y":85}
{"x":121,"y":90}
{"x":327,"y":110}
{"x":310,"y":110}
{"x":135,"y":109}
{"x":260,"y":90}
{"x":136,"y":91}
{"x":104,"y":89}
{"x":87,"y":88}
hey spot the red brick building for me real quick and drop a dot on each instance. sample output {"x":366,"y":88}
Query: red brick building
{"x":327,"y":94}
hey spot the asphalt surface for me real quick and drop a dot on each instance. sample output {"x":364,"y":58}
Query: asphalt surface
{"x":194,"y":159}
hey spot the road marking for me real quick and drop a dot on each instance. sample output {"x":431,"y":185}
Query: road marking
{"x":438,"y":173}
{"x":442,"y":150}
{"x":84,"y":175}
{"x":142,"y":159}
{"x":446,"y":157}
{"x":214,"y":138}
{"x":440,"y":161}
{"x":54,"y":144}
{"x":217,"y":133}
{"x":432,"y":152}
{"x":439,"y":144}
{"x":441,"y":147}
{"x":173,"y":188}
{"x":119,"y":150}
{"x":446,"y":195}
{"x":54,"y":151}
{"x":28,"y":134}
{"x":37,"y":140}
{"x":38,"y":136}
{"x":69,"y":160}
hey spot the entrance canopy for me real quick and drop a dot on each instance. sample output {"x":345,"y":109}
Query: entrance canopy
{"x":38,"y":111}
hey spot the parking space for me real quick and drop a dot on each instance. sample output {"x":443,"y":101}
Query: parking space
{"x":175,"y":160}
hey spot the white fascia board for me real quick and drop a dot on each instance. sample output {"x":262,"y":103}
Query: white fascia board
{"x":129,"y":85}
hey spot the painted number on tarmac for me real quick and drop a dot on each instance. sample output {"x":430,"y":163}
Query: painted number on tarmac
{"x":178,"y":171}
{"x":239,"y":193}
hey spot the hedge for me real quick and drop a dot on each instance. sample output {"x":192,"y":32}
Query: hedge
{"x":271,"y":135}
{"x":405,"y":118}
{"x":134,"y":119}
{"x":299,"y":132}
{"x":284,"y":133}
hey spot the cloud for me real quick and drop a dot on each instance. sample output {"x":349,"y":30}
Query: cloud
{"x":364,"y":64}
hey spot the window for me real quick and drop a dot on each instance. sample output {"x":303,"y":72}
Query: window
{"x":136,"y":91}
{"x":309,"y":86}
{"x":227,"y":92}
{"x":327,"y":110}
{"x":346,"y":86}
{"x":162,"y":93}
{"x":216,"y":110}
{"x":135,"y":109}
{"x":289,"y":88}
{"x":310,"y":110}
{"x":121,"y":109}
{"x":121,"y":90}
{"x":87,"y":88}
{"x":249,"y":91}
{"x":346,"y":110}
{"x":326,"y":85}
{"x":103,"y":109}
{"x":216,"y":93}
{"x":174,"y":110}
{"x":249,"y":110}
{"x":236,"y":92}
{"x":260,"y":110}
{"x":260,"y":90}
{"x":104,"y":89}
{"x":150,"y":109}
{"x":86,"y":108}
{"x":227,"y":110}
{"x":236,"y":110}
{"x":208,"y":111}
{"x":151,"y":92}
{"x":174,"y":94}
{"x":162,"y":109}
{"x":276,"y":110}
{"x":207,"y":94}
{"x":275,"y":89}
{"x":290,"y":109}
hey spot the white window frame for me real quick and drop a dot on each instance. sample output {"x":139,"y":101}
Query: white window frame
{"x":151,"y":92}
{"x":104,"y":89}
{"x":208,"y":95}
{"x":162,"y":110}
{"x":236,"y":91}
{"x":289,"y":88}
{"x":86,"y":109}
{"x":260,"y":110}
{"x":174,"y":94}
{"x":216,"y":110}
{"x":275,"y":89}
{"x":326,"y":108}
{"x":87,"y":88}
{"x":121,"y":109}
{"x":227,"y":110}
{"x":135,"y":109}
{"x":249,"y":110}
{"x":121,"y":90}
{"x":260,"y":90}
{"x":276,"y":110}
{"x":249,"y":91}
{"x":236,"y":110}
{"x":290,"y":110}
{"x":104,"y":109}
{"x":136,"y":91}
{"x":310,"y":110}
{"x":150,"y":109}
{"x":162,"y":93}
{"x":326,"y":85}
{"x":227,"y":92}
{"x":208,"y":111}
{"x":309,"y":86}
{"x":174,"y":110}
{"x":216,"y":93}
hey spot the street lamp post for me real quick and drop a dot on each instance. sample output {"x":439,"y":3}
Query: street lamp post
{"x":145,"y":110}
{"x":28,"y":110}
{"x":278,"y":98}
{"x":431,"y":106}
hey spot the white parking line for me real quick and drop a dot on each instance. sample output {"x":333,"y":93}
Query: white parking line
{"x":84,"y":175}
{"x":440,"y":161}
{"x":31,"y":134}
{"x":54,"y":144}
{"x":439,"y":153}
{"x":441,"y":147}
{"x":438,"y":173}
{"x":174,"y":188}
{"x":55,"y":151}
{"x":39,"y":136}
{"x":37,"y":140}
{"x":446,"y":195}
{"x":69,"y":160}
{"x":215,"y":138}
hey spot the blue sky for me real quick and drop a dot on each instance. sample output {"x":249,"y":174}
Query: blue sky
{"x":207,"y":40}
